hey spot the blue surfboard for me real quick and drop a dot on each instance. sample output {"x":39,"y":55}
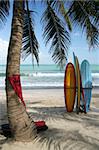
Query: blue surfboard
{"x":86,"y":82}
{"x":74,"y":59}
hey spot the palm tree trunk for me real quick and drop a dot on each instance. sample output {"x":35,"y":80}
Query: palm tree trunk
{"x":22,"y":127}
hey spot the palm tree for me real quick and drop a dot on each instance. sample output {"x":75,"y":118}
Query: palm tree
{"x":20,"y":123}
{"x":84,"y":13}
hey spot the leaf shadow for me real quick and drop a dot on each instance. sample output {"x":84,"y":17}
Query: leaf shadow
{"x":62,"y":138}
{"x":59,"y":140}
{"x":3,"y":113}
{"x":2,"y":141}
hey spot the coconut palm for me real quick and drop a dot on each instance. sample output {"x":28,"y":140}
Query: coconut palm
{"x":57,"y":21}
{"x":21,"y":125}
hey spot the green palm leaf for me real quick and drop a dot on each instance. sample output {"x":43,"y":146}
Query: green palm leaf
{"x":54,"y":31}
{"x":29,"y":41}
{"x":85,"y":14}
{"x":60,"y":6}
{"x":4,"y":9}
{"x":65,"y":15}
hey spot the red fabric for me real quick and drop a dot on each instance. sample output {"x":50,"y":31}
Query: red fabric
{"x":16,"y":84}
{"x":40,"y":123}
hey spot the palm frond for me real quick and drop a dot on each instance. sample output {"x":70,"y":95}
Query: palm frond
{"x":95,"y":13}
{"x":92,"y":8}
{"x":29,"y":41}
{"x":60,"y":6}
{"x":4,"y":9}
{"x":55,"y":32}
{"x":65,"y":15}
{"x":85,"y":14}
{"x":92,"y":34}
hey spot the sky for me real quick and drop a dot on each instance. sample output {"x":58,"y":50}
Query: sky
{"x":78,"y":43}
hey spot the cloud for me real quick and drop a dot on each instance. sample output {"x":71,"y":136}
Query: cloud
{"x":3,"y":51}
{"x":77,"y":34}
{"x":45,"y":58}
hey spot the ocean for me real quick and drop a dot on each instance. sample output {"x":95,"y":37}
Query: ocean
{"x":44,"y":76}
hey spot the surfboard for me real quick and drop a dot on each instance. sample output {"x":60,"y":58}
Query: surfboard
{"x":86,"y":82}
{"x":69,"y":87}
{"x":82,"y":102}
{"x":81,"y":89}
{"x":74,"y":59}
{"x":78,"y":79}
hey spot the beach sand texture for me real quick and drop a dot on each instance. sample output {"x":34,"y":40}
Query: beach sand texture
{"x":66,"y":131}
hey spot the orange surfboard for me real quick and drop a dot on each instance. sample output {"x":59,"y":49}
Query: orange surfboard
{"x":69,"y":87}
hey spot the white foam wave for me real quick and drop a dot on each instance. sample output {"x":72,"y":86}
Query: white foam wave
{"x":42,"y":84}
{"x":51,"y":74}
{"x":26,"y":82}
{"x":95,"y":75}
{"x":45,"y":85}
{"x":47,"y":74}
{"x":95,"y":85}
{"x":40,"y":74}
{"x":55,"y":84}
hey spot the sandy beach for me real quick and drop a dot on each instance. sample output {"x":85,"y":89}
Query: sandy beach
{"x":66,"y":131}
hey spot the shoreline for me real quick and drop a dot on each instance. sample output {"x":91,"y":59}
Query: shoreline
{"x":95,"y":90}
{"x":46,"y":87}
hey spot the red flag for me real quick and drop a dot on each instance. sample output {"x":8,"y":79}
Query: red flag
{"x":16,"y":84}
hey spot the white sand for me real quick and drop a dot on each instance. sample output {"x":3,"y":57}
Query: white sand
{"x":66,"y":131}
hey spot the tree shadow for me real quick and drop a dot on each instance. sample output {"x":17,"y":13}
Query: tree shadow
{"x":3,"y":120}
{"x":65,"y":138}
{"x":2,"y":141}
{"x":56,"y":113}
{"x":47,"y":113}
{"x":32,"y":103}
{"x":3,"y":113}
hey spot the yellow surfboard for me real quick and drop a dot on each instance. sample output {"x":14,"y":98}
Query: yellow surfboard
{"x":69,"y":87}
{"x":78,"y":85}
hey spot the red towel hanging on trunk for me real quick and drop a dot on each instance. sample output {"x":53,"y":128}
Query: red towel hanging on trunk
{"x":16,"y":84}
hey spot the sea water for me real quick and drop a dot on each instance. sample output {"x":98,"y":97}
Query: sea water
{"x":44,"y":76}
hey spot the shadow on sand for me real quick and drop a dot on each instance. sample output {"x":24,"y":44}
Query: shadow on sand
{"x":70,"y":131}
{"x":66,"y":131}
{"x":3,"y":119}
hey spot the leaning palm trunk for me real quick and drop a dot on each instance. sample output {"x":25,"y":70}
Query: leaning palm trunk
{"x":22,"y":127}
